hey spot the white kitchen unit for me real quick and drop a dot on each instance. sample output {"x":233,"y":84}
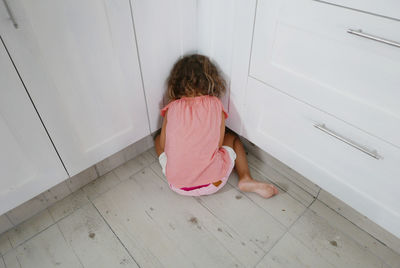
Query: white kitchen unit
{"x":165,"y":31}
{"x":313,"y":83}
{"x":300,"y":136}
{"x":215,"y":36}
{"x":224,"y":33}
{"x":314,"y":52}
{"x":323,"y":97}
{"x":79,"y":62}
{"x":28,"y":161}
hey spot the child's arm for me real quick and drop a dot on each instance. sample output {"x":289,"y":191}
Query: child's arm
{"x":221,"y":138}
{"x":162,"y":135}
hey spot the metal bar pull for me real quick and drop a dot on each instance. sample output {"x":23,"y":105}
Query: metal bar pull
{"x":373,"y":37}
{"x":12,"y":18}
{"x":372,"y":153}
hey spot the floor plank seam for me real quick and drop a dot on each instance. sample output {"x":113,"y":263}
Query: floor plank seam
{"x":22,"y":222}
{"x":212,"y":213}
{"x":65,"y":216}
{"x":268,"y":251}
{"x":19,"y":263}
{"x":99,"y":194}
{"x":347,"y":236}
{"x":197,"y":199}
{"x":55,"y":222}
{"x":112,"y":230}
{"x":120,"y":180}
{"x":362,"y":246}
{"x":307,"y":192}
{"x":307,"y":246}
{"x":166,"y":234}
{"x":97,"y":171}
{"x":319,"y":191}
{"x":312,"y":202}
{"x":286,"y":191}
{"x":286,"y":228}
{"x":230,"y":227}
{"x":133,"y":174}
{"x":299,"y":217}
{"x":287,"y":231}
{"x":308,"y":233}
{"x":295,"y":181}
{"x":26,"y":240}
{"x":251,"y":200}
{"x":72,"y":248}
{"x":358,"y":226}
{"x":314,"y":199}
{"x":230,"y":253}
{"x":9,"y":241}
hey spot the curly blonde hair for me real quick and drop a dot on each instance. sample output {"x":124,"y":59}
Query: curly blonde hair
{"x":194,"y":75}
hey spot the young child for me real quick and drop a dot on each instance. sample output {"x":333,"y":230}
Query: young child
{"x":195,"y":153}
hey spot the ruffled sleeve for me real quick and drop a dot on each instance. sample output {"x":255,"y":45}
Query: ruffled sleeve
{"x":223,"y":108}
{"x":164,"y":110}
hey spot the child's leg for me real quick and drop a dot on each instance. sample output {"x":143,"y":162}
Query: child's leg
{"x":246,"y":182}
{"x":157,"y":145}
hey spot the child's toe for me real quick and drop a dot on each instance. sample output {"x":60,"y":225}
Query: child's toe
{"x":276,"y":191}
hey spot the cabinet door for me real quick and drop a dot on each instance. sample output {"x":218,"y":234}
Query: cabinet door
{"x":340,"y":158}
{"x":165,"y":31}
{"x":79,"y":62}
{"x":225,"y":31}
{"x":304,"y":48}
{"x":29,"y":164}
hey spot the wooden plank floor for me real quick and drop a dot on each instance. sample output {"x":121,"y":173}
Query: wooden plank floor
{"x":130,"y":218}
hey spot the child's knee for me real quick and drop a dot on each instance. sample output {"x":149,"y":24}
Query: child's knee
{"x":229,"y":139}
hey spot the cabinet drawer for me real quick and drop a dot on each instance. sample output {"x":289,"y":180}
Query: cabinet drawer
{"x":387,"y":8}
{"x":304,"y":48}
{"x":285,"y":128}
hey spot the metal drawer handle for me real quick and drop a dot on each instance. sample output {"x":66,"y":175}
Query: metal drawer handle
{"x":12,"y":18}
{"x":372,"y":153}
{"x":373,"y":37}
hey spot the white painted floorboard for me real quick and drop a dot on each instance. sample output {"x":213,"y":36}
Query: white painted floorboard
{"x":130,"y":218}
{"x":161,"y":221}
{"x":289,"y":252}
{"x":92,"y":240}
{"x":48,"y":249}
{"x":283,"y":207}
{"x":332,"y":244}
{"x":2,"y":264}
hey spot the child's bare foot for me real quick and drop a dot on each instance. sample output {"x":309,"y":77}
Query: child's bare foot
{"x":266,"y":190}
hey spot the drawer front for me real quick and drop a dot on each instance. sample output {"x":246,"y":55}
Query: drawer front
{"x":285,"y":128}
{"x":387,"y":8}
{"x":303,"y":48}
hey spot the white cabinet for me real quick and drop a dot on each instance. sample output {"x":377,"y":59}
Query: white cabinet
{"x":315,"y":64}
{"x":285,"y":127}
{"x":303,"y":48}
{"x":224,"y":34}
{"x":83,"y":62}
{"x":165,"y":30}
{"x":28,"y":162}
{"x":79,"y":62}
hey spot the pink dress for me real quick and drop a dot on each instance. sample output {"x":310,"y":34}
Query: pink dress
{"x":192,"y":139}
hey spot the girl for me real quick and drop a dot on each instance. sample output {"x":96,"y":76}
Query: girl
{"x":195,"y":153}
